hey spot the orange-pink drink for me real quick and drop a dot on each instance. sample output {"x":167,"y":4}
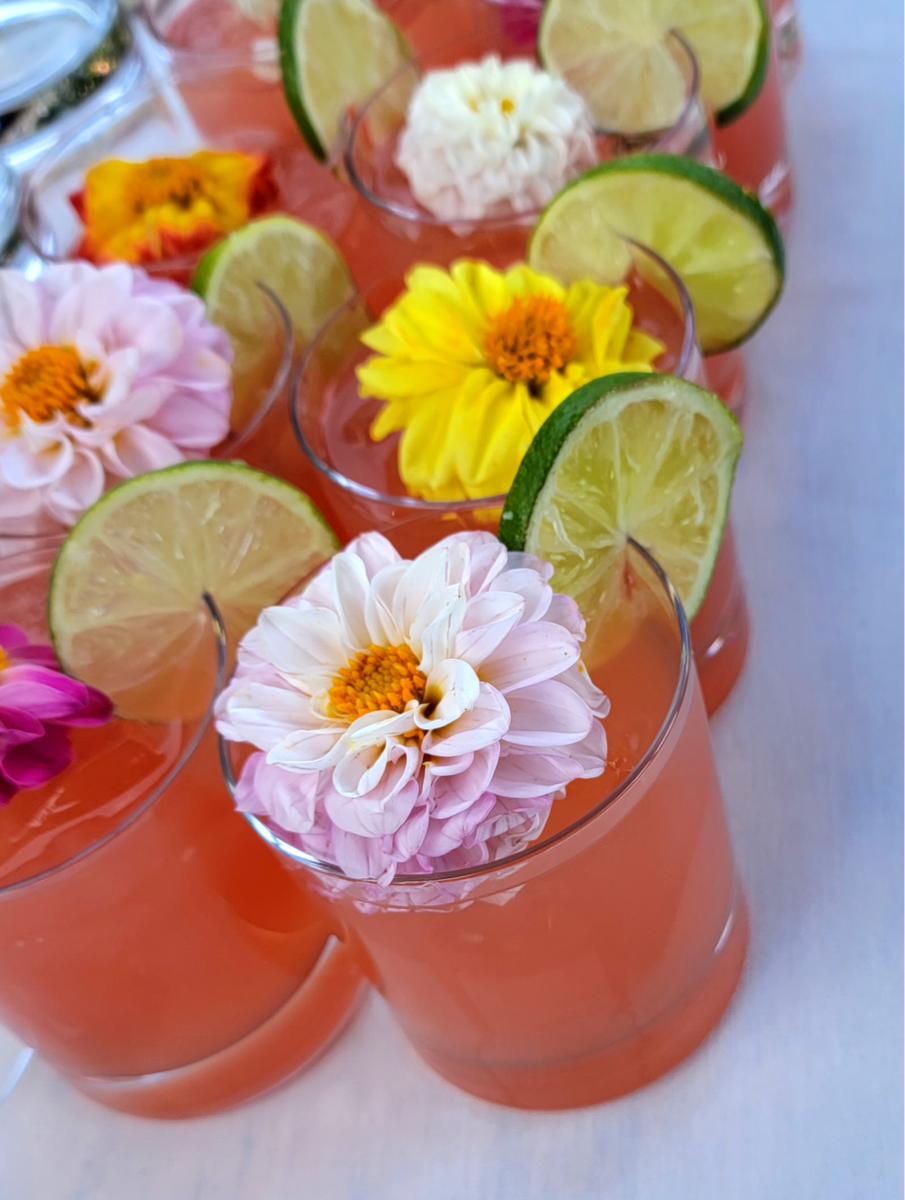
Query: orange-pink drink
{"x":151,"y":948}
{"x":753,"y":150}
{"x":597,"y":959}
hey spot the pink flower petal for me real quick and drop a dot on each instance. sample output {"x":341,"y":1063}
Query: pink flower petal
{"x":33,"y":763}
{"x":530,"y":654}
{"x":533,"y":774}
{"x":488,"y":618}
{"x":547,"y":714}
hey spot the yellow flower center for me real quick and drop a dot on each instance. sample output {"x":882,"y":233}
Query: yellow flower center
{"x":4,"y":659}
{"x":379,"y":678}
{"x":46,"y":381}
{"x":530,"y":340}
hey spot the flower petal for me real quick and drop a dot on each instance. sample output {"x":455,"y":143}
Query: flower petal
{"x":484,"y":724}
{"x":529,"y":655}
{"x":452,"y":689}
{"x":547,"y":714}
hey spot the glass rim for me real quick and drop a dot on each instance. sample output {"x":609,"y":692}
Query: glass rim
{"x":117,"y":112}
{"x":421,"y":216}
{"x":685,"y":364}
{"x":486,"y":870}
{"x":28,"y":94}
{"x":219,"y":630}
{"x":217,"y":58}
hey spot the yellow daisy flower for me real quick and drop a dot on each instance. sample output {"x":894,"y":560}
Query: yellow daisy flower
{"x":471,"y":362}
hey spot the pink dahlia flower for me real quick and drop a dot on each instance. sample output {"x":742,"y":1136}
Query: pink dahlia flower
{"x":104,"y":373}
{"x":38,"y":703}
{"x":415,"y":716}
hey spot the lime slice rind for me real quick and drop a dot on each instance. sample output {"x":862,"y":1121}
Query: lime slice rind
{"x":648,"y":457}
{"x":720,"y":240}
{"x":333,"y":55}
{"x":274,"y":256}
{"x":125,"y":601}
{"x":613,"y":52}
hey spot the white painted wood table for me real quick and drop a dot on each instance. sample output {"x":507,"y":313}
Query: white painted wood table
{"x":798,"y":1095}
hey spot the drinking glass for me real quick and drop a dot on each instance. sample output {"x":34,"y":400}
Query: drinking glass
{"x":152,"y":949}
{"x":418,"y":235}
{"x":597,"y":958}
{"x":360,"y":485}
{"x":58,"y":58}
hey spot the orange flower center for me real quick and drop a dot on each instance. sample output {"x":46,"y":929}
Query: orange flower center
{"x":46,"y":381}
{"x":530,"y":340}
{"x":4,"y":659}
{"x":379,"y":678}
{"x":161,"y":181}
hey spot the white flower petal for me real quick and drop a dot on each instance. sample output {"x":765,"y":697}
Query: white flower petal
{"x":81,"y":486}
{"x":432,"y":635}
{"x":452,"y":689}
{"x":301,"y":642}
{"x":265,"y":715}
{"x":483,"y":724}
{"x":24,"y":467}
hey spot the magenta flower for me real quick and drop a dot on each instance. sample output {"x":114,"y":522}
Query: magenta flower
{"x":38,"y":703}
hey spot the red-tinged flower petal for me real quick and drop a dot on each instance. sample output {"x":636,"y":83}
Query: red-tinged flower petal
{"x":97,"y":709}
{"x":13,"y":637}
{"x":47,"y":695}
{"x":17,"y":727}
{"x":32,"y":764}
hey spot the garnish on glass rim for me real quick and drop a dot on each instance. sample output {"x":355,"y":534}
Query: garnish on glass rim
{"x":38,"y":705}
{"x":104,"y":373}
{"x":415,"y":716}
{"x":472,"y":361}
{"x":490,"y":138}
{"x":165,"y":208}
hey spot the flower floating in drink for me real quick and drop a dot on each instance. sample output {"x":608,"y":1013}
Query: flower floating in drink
{"x":104,"y":374}
{"x":161,"y":209}
{"x":415,"y":716}
{"x":38,"y":707}
{"x":538,"y":878}
{"x":491,"y":138}
{"x":470,"y":362}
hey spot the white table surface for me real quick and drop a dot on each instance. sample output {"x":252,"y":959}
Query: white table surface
{"x":798,"y":1095}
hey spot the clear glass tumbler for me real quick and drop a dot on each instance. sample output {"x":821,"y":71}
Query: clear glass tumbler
{"x":152,"y":949}
{"x":599,"y":957}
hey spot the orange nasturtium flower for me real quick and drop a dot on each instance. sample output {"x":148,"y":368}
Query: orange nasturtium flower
{"x":163,"y":208}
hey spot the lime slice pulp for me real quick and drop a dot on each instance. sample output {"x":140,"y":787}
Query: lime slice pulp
{"x":125,"y":606}
{"x":721,"y":241}
{"x":616,"y":54}
{"x":300,"y":265}
{"x":649,"y":457}
{"x":334,"y":54}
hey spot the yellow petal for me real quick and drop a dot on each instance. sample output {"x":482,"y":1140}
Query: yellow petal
{"x":389,"y":378}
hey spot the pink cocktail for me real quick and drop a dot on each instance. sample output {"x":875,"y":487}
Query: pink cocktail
{"x":151,"y":948}
{"x":753,"y":149}
{"x":597,"y":958}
